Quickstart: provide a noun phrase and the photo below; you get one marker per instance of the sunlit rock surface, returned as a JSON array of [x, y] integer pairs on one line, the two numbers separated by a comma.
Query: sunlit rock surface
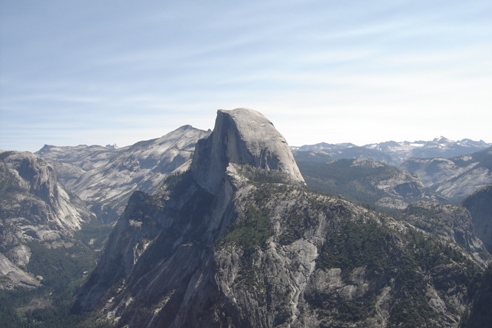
[[33, 208], [239, 241]]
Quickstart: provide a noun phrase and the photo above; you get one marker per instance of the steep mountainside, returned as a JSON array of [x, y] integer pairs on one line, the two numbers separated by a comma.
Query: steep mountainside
[[33, 208], [107, 176], [480, 206], [364, 181], [454, 178], [238, 240], [451, 222], [70, 163]]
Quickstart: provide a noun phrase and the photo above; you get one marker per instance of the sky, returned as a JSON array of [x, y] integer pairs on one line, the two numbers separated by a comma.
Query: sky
[[117, 72]]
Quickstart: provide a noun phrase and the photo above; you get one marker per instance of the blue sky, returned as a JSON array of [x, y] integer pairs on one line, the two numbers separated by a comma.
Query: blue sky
[[117, 72]]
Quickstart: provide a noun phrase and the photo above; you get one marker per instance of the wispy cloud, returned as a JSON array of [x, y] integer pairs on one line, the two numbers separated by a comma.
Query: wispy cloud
[[322, 71]]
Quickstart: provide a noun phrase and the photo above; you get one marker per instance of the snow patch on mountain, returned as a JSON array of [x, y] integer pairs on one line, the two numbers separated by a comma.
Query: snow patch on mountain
[[398, 151]]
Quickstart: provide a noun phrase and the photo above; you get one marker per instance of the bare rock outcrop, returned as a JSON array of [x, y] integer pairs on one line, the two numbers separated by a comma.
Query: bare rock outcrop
[[242, 136], [11, 276], [33, 208]]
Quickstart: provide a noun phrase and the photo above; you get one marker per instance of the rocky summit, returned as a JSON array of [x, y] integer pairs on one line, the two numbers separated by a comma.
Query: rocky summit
[[242, 136], [237, 240]]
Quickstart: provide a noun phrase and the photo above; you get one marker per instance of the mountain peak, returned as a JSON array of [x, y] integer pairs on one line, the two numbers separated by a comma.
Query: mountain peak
[[442, 140], [242, 136]]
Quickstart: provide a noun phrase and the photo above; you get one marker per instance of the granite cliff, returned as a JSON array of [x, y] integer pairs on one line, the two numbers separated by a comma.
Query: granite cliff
[[33, 208], [238, 240]]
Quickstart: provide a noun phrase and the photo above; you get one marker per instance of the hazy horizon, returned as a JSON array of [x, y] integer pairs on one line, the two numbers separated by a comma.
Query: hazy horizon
[[291, 145], [97, 72]]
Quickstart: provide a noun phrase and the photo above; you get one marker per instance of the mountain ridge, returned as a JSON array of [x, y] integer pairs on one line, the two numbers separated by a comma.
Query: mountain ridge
[[454, 178], [393, 152], [249, 246], [106, 182]]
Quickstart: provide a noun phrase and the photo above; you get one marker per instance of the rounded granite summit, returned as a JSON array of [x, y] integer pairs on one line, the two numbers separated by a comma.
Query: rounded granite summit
[[242, 136]]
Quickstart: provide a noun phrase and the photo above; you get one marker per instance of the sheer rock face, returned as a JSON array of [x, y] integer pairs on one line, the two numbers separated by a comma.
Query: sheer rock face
[[33, 207], [32, 194], [12, 276], [242, 136], [238, 241]]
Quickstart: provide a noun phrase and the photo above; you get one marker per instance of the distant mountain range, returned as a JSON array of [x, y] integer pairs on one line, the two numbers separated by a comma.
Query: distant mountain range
[[391, 152], [362, 174], [105, 177], [438, 147], [371, 182], [454, 178]]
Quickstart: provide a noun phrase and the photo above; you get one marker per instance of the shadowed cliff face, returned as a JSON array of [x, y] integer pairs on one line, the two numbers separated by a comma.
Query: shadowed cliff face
[[480, 206], [239, 241]]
